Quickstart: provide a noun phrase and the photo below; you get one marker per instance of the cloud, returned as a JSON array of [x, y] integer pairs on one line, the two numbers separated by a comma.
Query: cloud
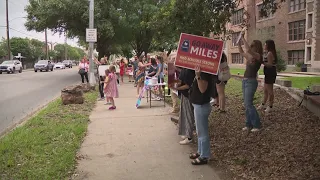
[[16, 24]]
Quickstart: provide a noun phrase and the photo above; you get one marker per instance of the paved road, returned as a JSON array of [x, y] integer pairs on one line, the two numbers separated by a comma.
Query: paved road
[[23, 93]]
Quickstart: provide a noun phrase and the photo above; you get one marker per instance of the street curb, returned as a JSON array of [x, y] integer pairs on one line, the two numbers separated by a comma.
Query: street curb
[[27, 117]]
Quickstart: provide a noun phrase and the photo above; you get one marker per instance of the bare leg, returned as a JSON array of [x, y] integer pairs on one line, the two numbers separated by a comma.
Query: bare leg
[[112, 102], [270, 94], [222, 97], [138, 89], [265, 93]]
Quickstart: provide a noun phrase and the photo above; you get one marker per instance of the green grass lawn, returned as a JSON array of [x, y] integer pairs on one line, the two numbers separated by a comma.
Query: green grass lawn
[[45, 147], [235, 71], [303, 82]]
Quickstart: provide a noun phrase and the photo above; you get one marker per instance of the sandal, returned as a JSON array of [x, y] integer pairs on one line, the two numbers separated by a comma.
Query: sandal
[[199, 161], [194, 155]]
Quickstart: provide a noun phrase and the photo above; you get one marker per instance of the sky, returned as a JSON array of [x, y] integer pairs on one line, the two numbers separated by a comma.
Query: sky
[[16, 22]]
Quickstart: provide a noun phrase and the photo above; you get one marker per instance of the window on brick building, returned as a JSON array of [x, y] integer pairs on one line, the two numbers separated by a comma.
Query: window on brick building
[[295, 56], [296, 5], [236, 58], [297, 30], [261, 16], [309, 53], [235, 38], [237, 17]]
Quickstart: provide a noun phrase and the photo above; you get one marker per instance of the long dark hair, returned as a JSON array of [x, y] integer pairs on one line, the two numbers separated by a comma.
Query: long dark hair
[[223, 57], [153, 61], [161, 62], [271, 47]]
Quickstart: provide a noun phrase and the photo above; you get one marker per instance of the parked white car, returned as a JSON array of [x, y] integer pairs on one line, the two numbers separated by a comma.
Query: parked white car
[[59, 65], [11, 66]]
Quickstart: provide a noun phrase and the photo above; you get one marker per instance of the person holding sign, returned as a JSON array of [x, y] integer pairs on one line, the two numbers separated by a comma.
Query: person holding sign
[[254, 59], [200, 98]]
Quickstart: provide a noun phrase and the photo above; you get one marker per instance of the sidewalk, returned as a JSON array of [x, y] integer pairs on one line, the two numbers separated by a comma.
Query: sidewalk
[[136, 144]]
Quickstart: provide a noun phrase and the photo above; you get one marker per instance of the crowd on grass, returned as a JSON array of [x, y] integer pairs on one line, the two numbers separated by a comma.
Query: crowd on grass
[[198, 92]]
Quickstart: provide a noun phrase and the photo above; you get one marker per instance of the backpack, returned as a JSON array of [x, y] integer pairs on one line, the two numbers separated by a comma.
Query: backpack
[[224, 71]]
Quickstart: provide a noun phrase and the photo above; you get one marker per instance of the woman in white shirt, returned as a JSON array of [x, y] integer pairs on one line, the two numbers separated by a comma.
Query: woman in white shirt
[[83, 69]]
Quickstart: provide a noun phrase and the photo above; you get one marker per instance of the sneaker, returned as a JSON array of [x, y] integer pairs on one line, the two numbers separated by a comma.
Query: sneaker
[[185, 141], [255, 130], [261, 107], [183, 137], [212, 102], [101, 99], [112, 108], [269, 109], [245, 129], [107, 103]]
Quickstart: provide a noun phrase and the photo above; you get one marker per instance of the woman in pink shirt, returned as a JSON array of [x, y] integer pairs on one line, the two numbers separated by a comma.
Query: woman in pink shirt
[[83, 69]]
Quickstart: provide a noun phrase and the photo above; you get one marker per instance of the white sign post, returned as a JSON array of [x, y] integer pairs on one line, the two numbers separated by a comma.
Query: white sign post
[[91, 35]]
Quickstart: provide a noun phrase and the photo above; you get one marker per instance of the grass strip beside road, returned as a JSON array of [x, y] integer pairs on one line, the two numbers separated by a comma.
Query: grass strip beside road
[[304, 82], [45, 146]]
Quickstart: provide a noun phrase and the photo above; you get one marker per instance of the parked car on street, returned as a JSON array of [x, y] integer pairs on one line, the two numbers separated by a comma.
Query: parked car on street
[[11, 66], [43, 65], [59, 65], [67, 63]]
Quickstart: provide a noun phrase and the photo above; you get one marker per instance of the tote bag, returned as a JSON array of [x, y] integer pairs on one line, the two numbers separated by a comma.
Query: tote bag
[[224, 72]]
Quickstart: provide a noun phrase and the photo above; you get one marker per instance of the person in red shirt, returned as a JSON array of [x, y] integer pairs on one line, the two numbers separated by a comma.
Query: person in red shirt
[[122, 69]]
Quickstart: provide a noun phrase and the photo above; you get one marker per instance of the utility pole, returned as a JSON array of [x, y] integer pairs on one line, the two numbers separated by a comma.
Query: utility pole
[[8, 33], [46, 39], [92, 78]]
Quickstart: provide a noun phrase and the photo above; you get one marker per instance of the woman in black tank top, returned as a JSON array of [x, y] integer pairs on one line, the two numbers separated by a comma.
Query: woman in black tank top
[[270, 73], [253, 56]]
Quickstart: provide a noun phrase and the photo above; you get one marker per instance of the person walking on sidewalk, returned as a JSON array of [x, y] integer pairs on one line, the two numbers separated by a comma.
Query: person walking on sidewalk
[[200, 99], [83, 69], [122, 67], [186, 116], [111, 88], [253, 55]]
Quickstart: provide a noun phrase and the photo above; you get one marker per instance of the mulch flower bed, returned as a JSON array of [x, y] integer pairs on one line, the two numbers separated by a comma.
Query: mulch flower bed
[[287, 147]]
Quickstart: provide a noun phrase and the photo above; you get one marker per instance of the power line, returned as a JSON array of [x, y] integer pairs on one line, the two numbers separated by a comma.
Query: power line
[[14, 3], [27, 34]]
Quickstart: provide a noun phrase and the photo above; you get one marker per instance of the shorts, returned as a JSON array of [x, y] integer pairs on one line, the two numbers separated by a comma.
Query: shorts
[[224, 82], [270, 74], [162, 81]]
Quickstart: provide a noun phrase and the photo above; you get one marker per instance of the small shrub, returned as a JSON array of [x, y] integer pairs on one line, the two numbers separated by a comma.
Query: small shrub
[[298, 66], [281, 64]]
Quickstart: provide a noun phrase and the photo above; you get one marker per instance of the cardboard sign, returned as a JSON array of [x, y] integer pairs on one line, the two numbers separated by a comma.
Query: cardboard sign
[[199, 51], [102, 69]]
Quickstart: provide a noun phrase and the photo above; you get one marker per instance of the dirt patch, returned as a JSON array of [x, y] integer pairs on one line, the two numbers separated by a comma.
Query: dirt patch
[[288, 147]]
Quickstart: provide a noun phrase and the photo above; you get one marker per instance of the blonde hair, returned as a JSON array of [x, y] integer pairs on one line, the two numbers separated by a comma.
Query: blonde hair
[[112, 68]]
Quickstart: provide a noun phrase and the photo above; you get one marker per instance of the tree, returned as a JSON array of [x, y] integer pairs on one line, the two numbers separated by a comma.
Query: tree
[[3, 48], [21, 45], [60, 51], [72, 17], [36, 48]]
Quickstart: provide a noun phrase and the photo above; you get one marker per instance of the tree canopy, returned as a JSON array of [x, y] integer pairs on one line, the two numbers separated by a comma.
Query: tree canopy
[[139, 25]]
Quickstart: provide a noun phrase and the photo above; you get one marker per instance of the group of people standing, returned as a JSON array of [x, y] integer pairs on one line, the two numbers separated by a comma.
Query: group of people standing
[[195, 90]]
